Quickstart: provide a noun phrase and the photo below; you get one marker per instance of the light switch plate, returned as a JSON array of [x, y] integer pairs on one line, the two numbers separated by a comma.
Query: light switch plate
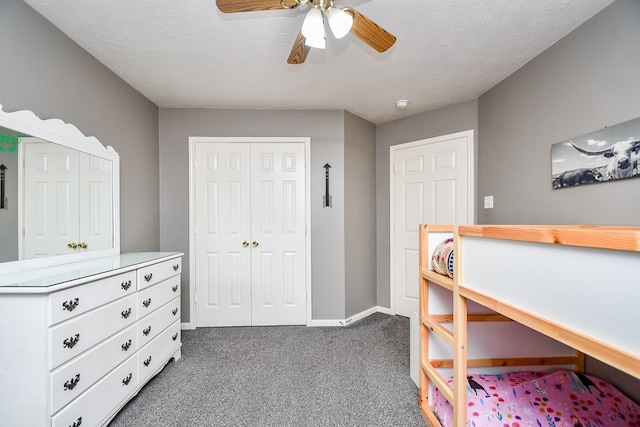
[[488, 202]]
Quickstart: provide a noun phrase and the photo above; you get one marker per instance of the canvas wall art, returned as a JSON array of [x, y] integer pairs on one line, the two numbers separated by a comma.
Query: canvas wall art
[[605, 155]]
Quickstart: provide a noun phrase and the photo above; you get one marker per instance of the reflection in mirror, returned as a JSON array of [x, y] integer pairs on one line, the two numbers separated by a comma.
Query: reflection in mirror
[[67, 200], [9, 195], [63, 205], [59, 194]]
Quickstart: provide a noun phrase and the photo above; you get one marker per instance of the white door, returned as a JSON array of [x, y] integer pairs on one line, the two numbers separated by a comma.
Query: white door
[[278, 233], [431, 184], [51, 199], [222, 234], [95, 188], [250, 237]]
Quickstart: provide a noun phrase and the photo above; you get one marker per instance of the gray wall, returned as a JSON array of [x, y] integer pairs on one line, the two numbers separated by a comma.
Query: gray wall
[[360, 220], [326, 129], [47, 73], [588, 80], [455, 118]]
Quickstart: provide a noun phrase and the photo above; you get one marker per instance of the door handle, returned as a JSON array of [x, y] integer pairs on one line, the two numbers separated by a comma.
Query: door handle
[[245, 243], [255, 244]]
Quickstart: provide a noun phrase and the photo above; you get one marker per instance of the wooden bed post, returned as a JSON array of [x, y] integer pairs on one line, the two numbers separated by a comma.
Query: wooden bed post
[[423, 390], [460, 338]]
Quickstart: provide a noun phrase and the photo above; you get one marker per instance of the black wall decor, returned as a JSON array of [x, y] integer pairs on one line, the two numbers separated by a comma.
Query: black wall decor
[[326, 202], [3, 204]]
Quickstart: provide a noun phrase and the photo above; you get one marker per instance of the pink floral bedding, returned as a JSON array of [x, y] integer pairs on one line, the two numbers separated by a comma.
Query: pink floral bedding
[[523, 399]]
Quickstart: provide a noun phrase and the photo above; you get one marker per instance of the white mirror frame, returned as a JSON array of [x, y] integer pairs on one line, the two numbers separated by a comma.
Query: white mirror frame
[[65, 134]]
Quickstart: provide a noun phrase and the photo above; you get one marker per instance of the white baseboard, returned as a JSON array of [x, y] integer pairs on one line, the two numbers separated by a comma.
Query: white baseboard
[[354, 318], [327, 322]]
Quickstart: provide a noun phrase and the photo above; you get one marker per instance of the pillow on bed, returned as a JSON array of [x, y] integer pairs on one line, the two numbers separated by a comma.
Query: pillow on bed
[[559, 399]]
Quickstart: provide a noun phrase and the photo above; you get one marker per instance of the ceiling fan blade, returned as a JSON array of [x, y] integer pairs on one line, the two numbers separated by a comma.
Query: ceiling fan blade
[[232, 6], [299, 51], [370, 32]]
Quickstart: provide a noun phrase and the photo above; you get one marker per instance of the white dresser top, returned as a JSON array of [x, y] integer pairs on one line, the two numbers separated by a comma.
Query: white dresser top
[[48, 279]]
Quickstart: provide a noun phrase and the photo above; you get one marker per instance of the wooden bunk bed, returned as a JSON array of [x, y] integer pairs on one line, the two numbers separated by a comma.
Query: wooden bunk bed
[[534, 297]]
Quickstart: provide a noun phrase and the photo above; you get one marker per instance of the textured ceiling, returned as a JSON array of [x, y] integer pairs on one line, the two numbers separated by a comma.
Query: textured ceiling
[[186, 53]]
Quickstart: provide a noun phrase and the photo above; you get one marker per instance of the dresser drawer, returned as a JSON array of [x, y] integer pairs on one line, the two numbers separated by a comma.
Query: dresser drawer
[[157, 295], [94, 405], [156, 322], [71, 379], [69, 339], [153, 356], [71, 302], [156, 273]]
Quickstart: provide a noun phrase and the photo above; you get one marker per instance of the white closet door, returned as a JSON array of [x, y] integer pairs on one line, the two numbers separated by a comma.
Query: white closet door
[[223, 263], [250, 234], [278, 230], [51, 199]]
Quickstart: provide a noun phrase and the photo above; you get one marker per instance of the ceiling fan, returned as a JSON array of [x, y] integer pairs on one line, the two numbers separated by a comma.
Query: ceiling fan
[[312, 34]]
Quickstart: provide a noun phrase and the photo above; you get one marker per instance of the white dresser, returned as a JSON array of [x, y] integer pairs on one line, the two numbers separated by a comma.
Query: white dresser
[[79, 340]]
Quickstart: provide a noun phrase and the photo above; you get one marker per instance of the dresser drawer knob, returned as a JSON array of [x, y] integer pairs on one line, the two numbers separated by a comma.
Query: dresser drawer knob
[[147, 362], [78, 423], [176, 267], [71, 342], [126, 285], [72, 383], [146, 303], [175, 336], [127, 379], [125, 346], [126, 313], [71, 304], [174, 288], [148, 277], [146, 331], [174, 311]]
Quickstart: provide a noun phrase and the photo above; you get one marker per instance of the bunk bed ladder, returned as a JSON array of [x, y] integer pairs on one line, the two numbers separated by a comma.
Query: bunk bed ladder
[[457, 340]]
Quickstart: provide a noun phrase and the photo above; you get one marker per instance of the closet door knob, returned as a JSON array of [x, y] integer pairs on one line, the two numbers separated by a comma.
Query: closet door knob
[[255, 244], [245, 243]]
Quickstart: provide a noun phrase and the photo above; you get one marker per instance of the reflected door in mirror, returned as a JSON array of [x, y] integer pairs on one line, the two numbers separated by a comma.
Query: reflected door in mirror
[[67, 201], [95, 203]]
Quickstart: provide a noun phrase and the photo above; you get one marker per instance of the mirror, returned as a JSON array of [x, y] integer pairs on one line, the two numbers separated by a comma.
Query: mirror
[[59, 194]]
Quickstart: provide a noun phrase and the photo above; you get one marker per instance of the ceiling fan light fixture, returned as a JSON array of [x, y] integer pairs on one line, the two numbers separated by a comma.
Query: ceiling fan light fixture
[[313, 25], [340, 22], [318, 42]]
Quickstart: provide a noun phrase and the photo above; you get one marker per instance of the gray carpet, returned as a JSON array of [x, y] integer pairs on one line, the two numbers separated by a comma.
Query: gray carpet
[[356, 375]]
